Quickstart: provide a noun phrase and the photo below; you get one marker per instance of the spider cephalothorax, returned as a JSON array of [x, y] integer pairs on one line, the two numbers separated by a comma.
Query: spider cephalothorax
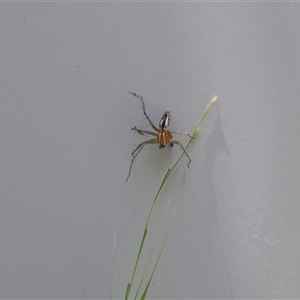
[[163, 136], [165, 120]]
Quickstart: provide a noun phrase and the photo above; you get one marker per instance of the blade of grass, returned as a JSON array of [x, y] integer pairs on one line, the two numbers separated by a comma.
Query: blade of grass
[[168, 173], [155, 244], [195, 133], [164, 242], [136, 263]]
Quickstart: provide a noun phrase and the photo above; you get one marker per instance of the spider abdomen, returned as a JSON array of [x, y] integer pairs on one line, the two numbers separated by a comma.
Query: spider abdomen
[[164, 138]]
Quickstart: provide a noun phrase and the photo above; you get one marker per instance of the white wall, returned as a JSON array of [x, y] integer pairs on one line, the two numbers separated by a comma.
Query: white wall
[[65, 145]]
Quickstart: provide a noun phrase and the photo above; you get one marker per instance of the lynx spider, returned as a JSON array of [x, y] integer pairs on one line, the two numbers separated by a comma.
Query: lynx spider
[[163, 136]]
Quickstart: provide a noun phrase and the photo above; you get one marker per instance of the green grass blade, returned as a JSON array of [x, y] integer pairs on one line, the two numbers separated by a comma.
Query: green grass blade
[[168, 173], [136, 263], [163, 244]]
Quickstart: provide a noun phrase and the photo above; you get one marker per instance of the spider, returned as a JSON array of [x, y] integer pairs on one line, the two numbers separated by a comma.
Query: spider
[[163, 136]]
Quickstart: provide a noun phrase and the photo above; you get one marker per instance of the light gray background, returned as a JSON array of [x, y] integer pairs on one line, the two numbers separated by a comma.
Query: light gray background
[[65, 145]]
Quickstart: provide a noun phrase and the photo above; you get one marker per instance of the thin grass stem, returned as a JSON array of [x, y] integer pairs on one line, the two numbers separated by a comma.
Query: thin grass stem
[[168, 173]]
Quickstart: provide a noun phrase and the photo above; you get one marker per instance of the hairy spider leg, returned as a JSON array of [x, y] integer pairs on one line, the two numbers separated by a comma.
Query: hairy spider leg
[[137, 150], [179, 144], [141, 145], [143, 132], [144, 110], [182, 132]]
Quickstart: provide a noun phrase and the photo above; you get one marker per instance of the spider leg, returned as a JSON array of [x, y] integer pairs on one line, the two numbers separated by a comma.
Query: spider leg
[[143, 132], [179, 144], [137, 150], [182, 132], [141, 145], [144, 110]]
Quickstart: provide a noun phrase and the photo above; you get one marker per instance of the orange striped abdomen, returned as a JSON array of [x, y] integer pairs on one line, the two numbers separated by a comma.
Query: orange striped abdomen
[[164, 138]]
